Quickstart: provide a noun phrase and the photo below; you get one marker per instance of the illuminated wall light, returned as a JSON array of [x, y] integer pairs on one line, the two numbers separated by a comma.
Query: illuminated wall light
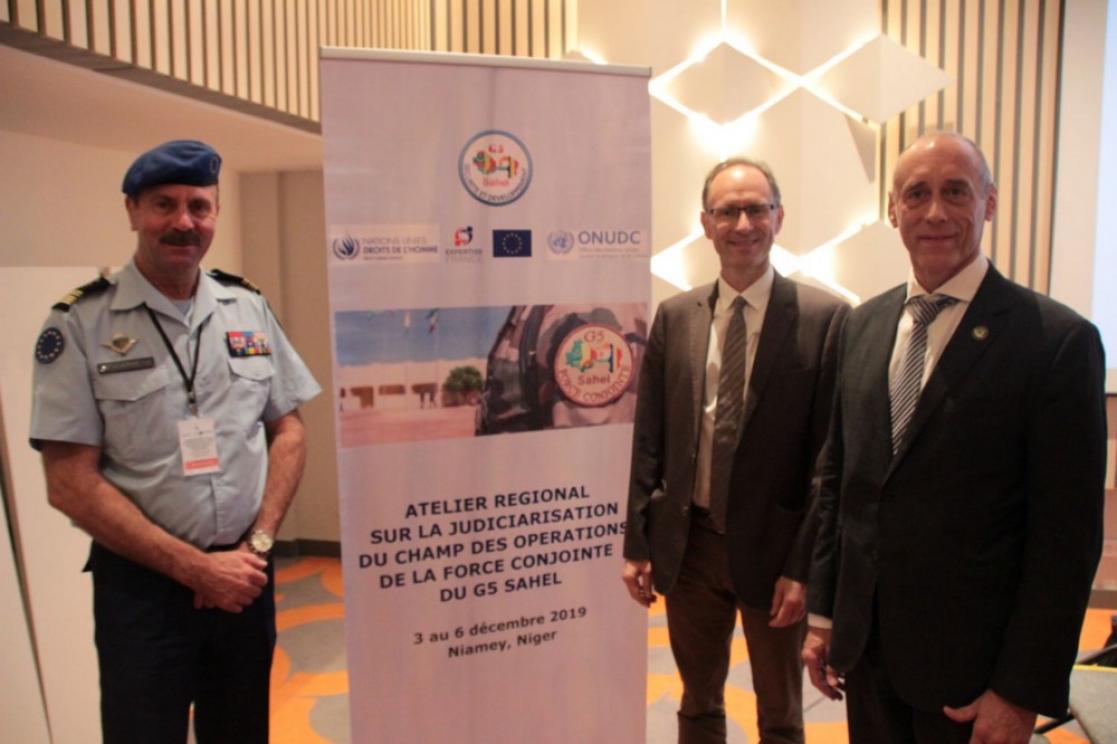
[[722, 140], [829, 282], [815, 74], [591, 54], [670, 265], [702, 50], [733, 137], [819, 261], [786, 262], [811, 81], [707, 134]]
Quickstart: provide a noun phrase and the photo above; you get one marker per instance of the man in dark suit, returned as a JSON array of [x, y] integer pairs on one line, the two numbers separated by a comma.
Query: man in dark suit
[[960, 491], [732, 409]]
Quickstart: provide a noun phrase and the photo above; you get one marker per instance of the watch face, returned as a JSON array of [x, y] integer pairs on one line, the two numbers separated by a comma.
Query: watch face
[[261, 541]]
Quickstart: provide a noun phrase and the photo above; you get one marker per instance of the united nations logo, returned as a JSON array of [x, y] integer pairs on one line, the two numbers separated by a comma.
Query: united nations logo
[[561, 242], [346, 248], [495, 167], [593, 366]]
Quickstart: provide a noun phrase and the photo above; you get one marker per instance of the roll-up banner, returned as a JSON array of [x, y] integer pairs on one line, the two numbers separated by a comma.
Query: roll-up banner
[[488, 248]]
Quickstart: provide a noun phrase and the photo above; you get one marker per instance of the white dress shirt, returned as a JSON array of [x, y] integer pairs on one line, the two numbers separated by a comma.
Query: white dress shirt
[[962, 287], [756, 297]]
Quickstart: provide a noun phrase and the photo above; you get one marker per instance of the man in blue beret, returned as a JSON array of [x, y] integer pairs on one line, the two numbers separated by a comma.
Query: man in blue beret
[[166, 409]]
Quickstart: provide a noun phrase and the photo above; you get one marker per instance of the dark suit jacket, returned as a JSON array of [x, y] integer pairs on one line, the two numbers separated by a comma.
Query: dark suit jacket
[[980, 538], [784, 426]]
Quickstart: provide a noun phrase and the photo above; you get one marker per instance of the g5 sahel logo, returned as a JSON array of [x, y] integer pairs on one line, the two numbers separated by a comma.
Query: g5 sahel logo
[[495, 167], [593, 366]]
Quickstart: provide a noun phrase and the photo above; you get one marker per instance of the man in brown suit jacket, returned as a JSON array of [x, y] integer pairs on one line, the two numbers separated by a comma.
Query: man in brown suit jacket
[[732, 410]]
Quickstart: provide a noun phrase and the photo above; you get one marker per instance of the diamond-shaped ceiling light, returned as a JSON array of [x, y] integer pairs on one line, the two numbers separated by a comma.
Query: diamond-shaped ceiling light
[[825, 163], [800, 35], [881, 79], [725, 85], [871, 261]]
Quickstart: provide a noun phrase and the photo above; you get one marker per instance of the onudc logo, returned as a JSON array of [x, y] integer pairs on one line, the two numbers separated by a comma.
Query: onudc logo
[[511, 243], [593, 365], [561, 242], [346, 248], [495, 167]]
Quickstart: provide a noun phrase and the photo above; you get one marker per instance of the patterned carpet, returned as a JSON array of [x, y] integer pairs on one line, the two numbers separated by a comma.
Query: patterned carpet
[[309, 681]]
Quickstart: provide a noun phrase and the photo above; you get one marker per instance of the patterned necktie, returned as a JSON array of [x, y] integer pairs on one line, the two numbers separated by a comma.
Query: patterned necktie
[[908, 382], [730, 407]]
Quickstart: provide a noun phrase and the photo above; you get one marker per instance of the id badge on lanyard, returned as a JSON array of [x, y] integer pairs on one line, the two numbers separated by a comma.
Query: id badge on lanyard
[[197, 436]]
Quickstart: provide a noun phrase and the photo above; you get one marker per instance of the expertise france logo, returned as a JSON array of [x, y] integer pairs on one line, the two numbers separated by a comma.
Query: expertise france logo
[[495, 167]]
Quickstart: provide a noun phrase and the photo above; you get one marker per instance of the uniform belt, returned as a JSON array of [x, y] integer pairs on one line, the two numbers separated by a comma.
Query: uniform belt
[[229, 546]]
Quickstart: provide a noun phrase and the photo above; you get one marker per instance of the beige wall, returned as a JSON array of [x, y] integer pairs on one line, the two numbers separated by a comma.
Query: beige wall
[[284, 233], [61, 205]]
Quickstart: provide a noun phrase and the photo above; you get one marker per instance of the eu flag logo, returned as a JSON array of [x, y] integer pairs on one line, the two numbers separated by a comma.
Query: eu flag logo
[[511, 243]]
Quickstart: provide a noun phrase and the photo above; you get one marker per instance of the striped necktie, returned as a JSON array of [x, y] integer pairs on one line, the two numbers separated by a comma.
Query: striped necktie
[[908, 382], [729, 410]]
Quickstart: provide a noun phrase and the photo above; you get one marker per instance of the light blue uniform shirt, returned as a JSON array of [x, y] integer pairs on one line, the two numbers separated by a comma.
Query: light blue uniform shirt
[[133, 415]]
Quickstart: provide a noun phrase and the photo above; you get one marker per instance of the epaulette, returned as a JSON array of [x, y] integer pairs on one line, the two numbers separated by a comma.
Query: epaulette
[[95, 287], [239, 281]]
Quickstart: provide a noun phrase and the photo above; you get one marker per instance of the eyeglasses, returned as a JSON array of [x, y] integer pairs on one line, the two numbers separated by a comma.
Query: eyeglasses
[[732, 213]]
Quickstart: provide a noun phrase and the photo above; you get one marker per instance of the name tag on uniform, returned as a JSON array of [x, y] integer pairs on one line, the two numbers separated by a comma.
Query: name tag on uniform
[[247, 343], [197, 441], [125, 365]]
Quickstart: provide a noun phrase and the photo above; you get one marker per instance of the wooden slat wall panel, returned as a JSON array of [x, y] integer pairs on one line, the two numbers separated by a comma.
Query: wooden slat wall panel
[[266, 51], [1004, 58]]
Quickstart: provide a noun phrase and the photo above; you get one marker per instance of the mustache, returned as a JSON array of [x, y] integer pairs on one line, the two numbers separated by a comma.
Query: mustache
[[178, 237]]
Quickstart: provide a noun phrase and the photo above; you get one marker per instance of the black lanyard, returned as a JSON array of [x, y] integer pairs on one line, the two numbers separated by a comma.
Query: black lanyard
[[187, 381]]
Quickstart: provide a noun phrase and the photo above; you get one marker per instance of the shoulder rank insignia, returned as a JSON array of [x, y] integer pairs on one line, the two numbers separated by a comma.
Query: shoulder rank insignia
[[238, 281], [95, 287]]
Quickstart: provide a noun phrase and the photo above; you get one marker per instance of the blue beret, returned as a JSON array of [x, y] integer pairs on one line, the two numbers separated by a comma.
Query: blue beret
[[187, 162]]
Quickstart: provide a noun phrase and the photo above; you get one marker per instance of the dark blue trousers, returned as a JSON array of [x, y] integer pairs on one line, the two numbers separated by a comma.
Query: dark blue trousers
[[158, 655]]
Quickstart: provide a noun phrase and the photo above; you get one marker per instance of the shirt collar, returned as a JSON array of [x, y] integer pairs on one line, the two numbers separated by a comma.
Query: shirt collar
[[133, 290], [962, 286], [756, 294]]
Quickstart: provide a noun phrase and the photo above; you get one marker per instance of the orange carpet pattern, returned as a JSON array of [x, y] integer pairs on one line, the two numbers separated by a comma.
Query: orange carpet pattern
[[310, 683]]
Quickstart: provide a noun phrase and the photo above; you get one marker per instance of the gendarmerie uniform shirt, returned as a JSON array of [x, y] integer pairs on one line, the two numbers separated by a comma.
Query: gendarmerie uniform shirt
[[105, 377]]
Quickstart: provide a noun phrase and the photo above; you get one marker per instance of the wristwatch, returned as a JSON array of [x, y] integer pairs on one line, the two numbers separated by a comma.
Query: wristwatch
[[261, 543]]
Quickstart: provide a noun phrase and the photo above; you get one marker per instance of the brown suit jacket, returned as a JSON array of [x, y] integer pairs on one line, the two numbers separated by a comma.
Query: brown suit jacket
[[786, 416]]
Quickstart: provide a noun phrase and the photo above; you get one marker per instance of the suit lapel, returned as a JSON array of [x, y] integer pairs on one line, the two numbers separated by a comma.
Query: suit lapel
[[872, 354], [698, 335], [779, 318], [981, 326]]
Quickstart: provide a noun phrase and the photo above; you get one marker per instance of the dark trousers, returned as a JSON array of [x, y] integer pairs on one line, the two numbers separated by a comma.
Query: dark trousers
[[702, 610], [877, 715], [157, 655]]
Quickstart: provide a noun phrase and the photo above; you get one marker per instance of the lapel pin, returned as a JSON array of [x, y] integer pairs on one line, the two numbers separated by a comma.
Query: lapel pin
[[120, 343], [980, 333]]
